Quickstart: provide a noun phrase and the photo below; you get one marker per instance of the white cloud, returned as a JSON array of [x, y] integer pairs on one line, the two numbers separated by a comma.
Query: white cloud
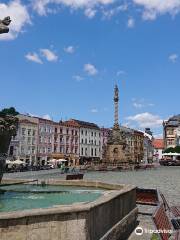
[[78, 78], [120, 72], [138, 105], [94, 110], [41, 6], [130, 22], [19, 16], [158, 136], [69, 49], [47, 117], [146, 119], [109, 13], [90, 69], [141, 103], [90, 12], [153, 8], [49, 55], [173, 57], [33, 57]]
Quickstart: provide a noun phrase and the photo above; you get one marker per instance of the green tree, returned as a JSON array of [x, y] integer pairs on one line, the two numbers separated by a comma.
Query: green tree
[[169, 150], [8, 111], [177, 149]]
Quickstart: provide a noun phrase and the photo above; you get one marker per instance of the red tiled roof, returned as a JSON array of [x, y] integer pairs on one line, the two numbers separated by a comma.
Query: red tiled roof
[[158, 143]]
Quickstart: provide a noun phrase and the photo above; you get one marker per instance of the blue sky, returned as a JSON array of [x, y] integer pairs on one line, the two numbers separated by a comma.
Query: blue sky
[[63, 59]]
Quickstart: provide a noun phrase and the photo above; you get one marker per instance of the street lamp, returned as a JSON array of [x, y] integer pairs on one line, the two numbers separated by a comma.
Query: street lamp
[[4, 25]]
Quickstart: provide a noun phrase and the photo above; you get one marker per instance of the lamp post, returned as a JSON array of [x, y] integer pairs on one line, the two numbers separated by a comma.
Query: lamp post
[[4, 25]]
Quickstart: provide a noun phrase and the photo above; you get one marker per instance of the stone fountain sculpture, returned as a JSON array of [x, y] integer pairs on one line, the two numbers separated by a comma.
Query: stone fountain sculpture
[[4, 25], [8, 128]]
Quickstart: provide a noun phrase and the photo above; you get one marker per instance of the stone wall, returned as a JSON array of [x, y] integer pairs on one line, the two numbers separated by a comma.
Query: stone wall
[[112, 216]]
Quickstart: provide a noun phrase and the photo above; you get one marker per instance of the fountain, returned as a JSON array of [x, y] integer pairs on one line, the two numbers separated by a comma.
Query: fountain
[[73, 209]]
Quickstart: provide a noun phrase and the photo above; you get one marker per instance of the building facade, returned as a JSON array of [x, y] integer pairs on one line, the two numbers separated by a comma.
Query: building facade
[[158, 145], [171, 132], [23, 146], [66, 141], [138, 146], [105, 132], [89, 141], [45, 143], [148, 148]]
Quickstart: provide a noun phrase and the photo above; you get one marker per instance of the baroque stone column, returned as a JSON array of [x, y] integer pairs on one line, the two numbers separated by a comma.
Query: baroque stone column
[[116, 106]]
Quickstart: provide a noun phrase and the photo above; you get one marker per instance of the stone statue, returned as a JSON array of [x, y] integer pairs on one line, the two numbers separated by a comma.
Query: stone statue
[[8, 128], [4, 25]]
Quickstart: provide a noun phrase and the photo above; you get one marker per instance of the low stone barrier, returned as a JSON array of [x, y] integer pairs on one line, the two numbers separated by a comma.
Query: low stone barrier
[[112, 216]]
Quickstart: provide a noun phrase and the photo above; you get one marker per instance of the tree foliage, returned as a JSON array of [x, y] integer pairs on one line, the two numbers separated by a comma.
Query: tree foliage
[[8, 111], [172, 150]]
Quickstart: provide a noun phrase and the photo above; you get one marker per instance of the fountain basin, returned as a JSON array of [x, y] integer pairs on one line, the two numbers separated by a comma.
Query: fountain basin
[[112, 215]]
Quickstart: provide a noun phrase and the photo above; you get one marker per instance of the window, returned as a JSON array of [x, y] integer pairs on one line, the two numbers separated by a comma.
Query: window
[[67, 131], [86, 141], [67, 149], [61, 131], [95, 142], [92, 134], [55, 130], [82, 151], [76, 150], [33, 150], [82, 140], [72, 132], [33, 141], [95, 134], [49, 149], [86, 133], [29, 132], [91, 151], [29, 140], [95, 153], [76, 133], [61, 139], [61, 149], [82, 132], [86, 151], [34, 132], [55, 149], [29, 150], [23, 131]]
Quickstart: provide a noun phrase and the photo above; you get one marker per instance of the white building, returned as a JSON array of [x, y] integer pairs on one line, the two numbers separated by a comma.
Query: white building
[[89, 141], [24, 145]]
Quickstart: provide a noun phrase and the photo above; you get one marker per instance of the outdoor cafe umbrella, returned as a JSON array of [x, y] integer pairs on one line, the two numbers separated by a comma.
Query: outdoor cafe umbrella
[[18, 162], [171, 154], [9, 162], [61, 160]]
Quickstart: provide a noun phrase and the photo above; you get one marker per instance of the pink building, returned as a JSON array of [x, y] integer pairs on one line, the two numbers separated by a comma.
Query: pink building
[[104, 136]]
